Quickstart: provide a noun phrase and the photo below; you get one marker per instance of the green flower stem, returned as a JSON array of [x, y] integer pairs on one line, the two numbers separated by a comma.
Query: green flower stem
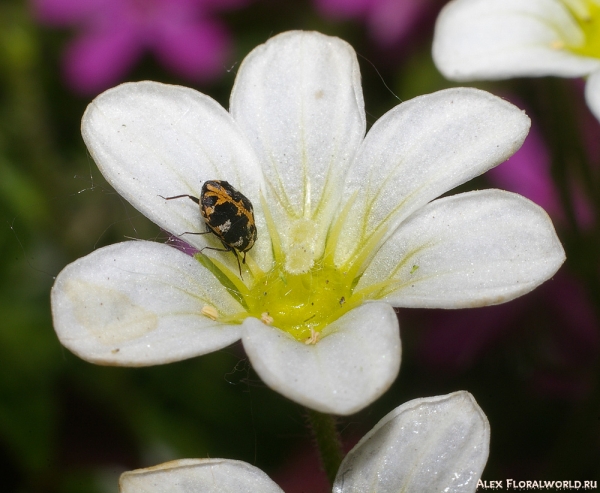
[[327, 440]]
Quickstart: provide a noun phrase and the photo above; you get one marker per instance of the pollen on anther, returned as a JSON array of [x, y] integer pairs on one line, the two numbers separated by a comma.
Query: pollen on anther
[[314, 337], [210, 312]]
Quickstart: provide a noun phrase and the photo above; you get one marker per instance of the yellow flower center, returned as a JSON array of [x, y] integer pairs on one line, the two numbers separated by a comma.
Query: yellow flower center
[[300, 301], [587, 15]]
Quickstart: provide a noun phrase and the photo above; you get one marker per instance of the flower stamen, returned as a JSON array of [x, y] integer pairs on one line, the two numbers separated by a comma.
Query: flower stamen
[[210, 312], [314, 337]]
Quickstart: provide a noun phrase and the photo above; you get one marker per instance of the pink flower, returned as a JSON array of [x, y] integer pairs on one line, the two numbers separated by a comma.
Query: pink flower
[[389, 21], [114, 34]]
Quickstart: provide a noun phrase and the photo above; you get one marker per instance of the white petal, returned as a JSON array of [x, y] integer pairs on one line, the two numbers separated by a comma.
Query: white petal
[[432, 444], [151, 140], [472, 249], [421, 149], [195, 475], [498, 39], [139, 303], [343, 372], [299, 99], [592, 93]]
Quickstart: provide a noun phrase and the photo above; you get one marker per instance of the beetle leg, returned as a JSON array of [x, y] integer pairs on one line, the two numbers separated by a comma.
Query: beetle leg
[[208, 230], [226, 249]]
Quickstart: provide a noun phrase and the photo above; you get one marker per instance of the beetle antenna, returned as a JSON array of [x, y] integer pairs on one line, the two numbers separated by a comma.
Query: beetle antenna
[[195, 199]]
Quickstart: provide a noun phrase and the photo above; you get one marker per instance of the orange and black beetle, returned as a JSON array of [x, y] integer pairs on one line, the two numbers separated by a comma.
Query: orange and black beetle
[[229, 215]]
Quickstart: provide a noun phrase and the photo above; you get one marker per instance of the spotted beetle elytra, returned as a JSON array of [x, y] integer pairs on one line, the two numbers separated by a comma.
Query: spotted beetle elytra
[[228, 214]]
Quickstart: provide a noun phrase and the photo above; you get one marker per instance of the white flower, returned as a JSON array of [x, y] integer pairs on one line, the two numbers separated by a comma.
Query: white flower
[[499, 39], [346, 229], [432, 444]]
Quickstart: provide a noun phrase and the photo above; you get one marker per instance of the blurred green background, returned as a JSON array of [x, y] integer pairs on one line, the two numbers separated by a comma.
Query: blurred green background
[[69, 426]]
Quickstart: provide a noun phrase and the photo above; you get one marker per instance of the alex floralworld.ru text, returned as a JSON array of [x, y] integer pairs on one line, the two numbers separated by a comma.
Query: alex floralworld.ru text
[[511, 484]]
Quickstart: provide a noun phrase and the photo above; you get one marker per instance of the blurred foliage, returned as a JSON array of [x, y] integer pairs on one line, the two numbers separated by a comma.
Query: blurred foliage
[[69, 426]]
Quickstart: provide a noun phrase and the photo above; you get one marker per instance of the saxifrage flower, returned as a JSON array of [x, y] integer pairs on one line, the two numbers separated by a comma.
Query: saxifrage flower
[[431, 444], [347, 228], [500, 39]]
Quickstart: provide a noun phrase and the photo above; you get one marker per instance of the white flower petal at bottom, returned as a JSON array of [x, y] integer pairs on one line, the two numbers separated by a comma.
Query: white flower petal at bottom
[[432, 444], [140, 303], [352, 365], [473, 249], [194, 475]]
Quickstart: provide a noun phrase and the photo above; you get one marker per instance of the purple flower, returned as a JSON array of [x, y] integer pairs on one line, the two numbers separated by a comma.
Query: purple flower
[[114, 34], [389, 21]]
